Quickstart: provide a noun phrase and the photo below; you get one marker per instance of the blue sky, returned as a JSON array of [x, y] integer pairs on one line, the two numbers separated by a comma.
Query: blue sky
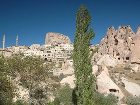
[[32, 19]]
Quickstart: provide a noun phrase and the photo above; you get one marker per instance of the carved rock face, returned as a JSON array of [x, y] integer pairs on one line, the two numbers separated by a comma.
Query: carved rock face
[[136, 48], [122, 44]]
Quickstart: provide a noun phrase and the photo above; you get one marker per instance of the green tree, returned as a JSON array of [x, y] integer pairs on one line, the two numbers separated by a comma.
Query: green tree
[[85, 81], [64, 96]]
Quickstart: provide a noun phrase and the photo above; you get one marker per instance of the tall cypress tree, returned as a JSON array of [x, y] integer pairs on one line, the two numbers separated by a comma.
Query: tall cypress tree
[[85, 81]]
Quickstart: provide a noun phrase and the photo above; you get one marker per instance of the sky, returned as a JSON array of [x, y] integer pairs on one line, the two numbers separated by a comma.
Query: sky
[[32, 19]]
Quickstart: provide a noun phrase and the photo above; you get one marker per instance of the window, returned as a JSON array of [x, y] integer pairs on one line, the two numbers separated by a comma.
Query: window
[[127, 58], [133, 44], [117, 54], [116, 42], [113, 90], [48, 51]]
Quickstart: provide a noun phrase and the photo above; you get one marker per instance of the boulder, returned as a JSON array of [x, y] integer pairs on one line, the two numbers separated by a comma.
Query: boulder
[[107, 60], [135, 67], [94, 69], [107, 86], [68, 80], [131, 87]]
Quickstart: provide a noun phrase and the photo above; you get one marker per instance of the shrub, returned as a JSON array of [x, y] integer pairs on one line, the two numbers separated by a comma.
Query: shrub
[[20, 102], [64, 96], [101, 99], [6, 91], [133, 100]]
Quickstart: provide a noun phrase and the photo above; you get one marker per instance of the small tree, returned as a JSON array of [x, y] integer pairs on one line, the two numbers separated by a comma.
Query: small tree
[[85, 81]]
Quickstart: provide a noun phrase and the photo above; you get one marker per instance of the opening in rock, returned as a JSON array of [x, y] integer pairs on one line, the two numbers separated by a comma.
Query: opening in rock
[[116, 42], [117, 54], [113, 90], [107, 37], [127, 58], [133, 44]]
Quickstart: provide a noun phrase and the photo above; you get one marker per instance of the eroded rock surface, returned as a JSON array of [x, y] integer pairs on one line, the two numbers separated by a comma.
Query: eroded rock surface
[[122, 44]]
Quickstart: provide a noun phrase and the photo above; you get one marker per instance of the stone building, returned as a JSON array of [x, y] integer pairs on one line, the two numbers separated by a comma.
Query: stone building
[[58, 52], [57, 48], [122, 44]]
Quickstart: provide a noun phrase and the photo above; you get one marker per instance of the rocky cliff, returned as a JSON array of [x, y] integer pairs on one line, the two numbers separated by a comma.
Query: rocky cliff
[[56, 38], [121, 44]]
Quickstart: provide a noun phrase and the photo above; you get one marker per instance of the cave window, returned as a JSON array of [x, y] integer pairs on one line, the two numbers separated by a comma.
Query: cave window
[[106, 42], [116, 42], [113, 90], [117, 54], [133, 44], [118, 58], [114, 36], [107, 37], [127, 58]]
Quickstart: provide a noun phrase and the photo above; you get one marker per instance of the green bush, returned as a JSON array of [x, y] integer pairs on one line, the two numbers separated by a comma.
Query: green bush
[[64, 96], [55, 102], [101, 99], [133, 100], [6, 91], [32, 71], [20, 102]]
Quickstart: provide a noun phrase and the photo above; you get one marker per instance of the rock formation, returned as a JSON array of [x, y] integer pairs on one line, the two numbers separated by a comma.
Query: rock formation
[[122, 44], [56, 38]]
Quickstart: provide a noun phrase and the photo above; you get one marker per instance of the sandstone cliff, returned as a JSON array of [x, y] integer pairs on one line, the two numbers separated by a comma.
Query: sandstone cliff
[[56, 38], [122, 44]]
